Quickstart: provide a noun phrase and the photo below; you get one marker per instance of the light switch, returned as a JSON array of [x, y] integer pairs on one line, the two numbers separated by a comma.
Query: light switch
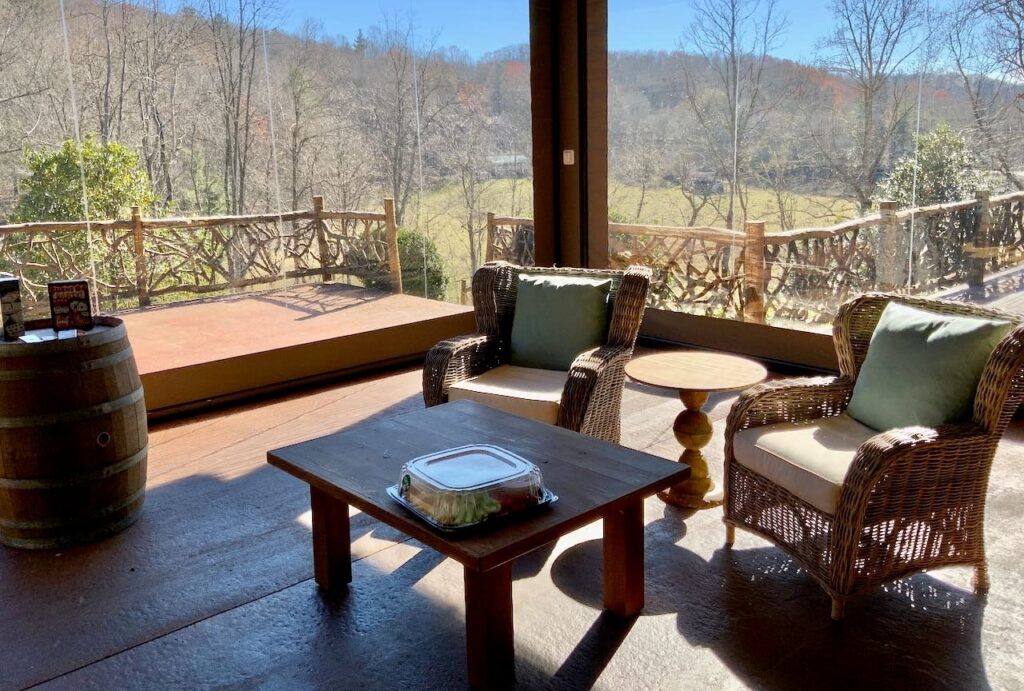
[[568, 157]]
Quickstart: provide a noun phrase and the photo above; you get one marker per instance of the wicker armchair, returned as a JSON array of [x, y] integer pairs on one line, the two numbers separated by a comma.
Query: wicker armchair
[[913, 498], [592, 396]]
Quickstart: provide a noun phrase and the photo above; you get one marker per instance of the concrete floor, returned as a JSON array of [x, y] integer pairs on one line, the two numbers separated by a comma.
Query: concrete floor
[[213, 587]]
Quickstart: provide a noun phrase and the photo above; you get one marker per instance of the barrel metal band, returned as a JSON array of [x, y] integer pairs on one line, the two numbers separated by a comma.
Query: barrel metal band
[[73, 415], [84, 366], [77, 520], [69, 539], [77, 478]]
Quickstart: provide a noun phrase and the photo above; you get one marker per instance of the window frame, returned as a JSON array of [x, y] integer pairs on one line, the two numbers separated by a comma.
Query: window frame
[[569, 84]]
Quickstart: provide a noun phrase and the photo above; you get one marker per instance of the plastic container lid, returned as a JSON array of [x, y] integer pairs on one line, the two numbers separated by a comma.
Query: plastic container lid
[[469, 484], [470, 467]]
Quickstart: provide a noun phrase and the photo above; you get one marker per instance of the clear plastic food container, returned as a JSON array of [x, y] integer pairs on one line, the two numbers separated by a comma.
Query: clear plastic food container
[[464, 486]]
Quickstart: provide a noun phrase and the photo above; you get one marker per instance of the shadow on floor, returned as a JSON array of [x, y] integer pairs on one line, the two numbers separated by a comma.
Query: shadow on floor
[[213, 587], [768, 621], [202, 547]]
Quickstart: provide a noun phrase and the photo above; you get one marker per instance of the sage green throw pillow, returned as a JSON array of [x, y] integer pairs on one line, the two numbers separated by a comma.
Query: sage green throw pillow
[[557, 318], [922, 368]]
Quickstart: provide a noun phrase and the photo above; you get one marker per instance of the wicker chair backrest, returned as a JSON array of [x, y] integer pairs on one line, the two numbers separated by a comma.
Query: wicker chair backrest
[[1001, 389], [857, 319], [494, 298]]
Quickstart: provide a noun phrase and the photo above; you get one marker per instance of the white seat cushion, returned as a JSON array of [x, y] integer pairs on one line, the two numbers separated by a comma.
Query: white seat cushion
[[810, 459], [524, 391]]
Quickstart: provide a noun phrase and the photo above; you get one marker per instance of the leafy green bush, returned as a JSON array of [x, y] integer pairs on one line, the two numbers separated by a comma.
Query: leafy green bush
[[411, 247], [52, 191], [944, 169]]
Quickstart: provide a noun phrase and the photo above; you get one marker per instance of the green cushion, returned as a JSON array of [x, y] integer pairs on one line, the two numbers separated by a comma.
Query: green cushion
[[922, 368], [557, 318]]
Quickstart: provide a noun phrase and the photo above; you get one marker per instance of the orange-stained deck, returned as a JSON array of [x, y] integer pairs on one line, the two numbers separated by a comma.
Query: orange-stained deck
[[221, 348]]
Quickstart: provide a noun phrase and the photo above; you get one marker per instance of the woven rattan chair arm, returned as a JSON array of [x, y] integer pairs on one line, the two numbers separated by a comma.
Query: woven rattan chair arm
[[456, 359], [788, 400], [588, 371], [905, 469]]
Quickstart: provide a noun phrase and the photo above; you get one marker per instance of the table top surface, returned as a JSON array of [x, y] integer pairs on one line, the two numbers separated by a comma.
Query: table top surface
[[591, 477], [696, 370]]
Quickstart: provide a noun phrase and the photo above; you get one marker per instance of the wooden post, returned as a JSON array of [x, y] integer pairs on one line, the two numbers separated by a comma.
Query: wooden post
[[979, 249], [489, 251], [888, 261], [321, 238], [754, 274], [394, 259], [464, 292], [141, 289]]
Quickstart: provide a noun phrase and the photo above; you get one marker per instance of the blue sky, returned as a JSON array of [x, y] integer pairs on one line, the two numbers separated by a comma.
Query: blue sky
[[480, 26]]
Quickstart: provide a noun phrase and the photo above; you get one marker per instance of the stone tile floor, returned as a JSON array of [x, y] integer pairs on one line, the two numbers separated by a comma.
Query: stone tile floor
[[213, 587]]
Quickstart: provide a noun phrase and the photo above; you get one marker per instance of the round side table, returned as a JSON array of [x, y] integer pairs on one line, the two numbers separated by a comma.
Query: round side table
[[695, 375]]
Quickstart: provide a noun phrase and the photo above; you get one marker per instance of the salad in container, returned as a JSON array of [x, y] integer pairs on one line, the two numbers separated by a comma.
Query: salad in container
[[469, 485]]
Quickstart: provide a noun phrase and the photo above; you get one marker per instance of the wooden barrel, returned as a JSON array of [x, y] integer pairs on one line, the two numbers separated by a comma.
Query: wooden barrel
[[73, 437]]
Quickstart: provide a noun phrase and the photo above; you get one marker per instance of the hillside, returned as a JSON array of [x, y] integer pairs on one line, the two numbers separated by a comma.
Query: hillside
[[345, 118]]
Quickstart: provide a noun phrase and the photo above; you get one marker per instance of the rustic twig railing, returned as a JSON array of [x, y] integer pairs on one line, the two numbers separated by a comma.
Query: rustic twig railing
[[142, 260], [510, 238], [806, 273], [696, 266]]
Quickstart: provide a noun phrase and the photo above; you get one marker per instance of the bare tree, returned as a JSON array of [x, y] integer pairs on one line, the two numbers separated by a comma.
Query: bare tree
[[403, 97], [872, 41], [160, 57], [1007, 33], [313, 84], [111, 83], [234, 37], [981, 37], [734, 37], [467, 147]]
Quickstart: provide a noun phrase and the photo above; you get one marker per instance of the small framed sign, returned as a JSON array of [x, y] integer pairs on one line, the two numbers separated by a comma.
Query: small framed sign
[[69, 305], [10, 308]]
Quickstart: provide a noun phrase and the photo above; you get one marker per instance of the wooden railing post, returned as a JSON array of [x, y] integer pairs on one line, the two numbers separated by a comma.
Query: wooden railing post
[[754, 274], [489, 252], [888, 261], [139, 249], [394, 259], [321, 238], [979, 249]]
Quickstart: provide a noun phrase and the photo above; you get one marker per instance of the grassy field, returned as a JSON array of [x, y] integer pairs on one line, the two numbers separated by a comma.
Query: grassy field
[[667, 206], [442, 214]]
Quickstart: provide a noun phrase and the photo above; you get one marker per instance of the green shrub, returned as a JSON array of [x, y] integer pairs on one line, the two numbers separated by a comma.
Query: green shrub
[[53, 189], [944, 170], [411, 247]]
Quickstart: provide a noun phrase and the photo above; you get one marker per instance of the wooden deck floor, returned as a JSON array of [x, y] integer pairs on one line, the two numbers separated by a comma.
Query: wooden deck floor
[[233, 345], [213, 587]]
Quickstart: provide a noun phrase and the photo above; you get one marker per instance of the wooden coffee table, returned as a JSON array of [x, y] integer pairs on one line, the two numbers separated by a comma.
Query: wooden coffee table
[[695, 374], [593, 480]]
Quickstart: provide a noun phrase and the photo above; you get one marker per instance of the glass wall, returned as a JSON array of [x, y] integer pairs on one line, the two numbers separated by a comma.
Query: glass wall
[[366, 144], [772, 159]]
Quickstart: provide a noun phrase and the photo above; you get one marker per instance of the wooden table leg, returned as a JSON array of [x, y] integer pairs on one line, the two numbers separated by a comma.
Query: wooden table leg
[[624, 560], [332, 543], [692, 429], [490, 650]]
